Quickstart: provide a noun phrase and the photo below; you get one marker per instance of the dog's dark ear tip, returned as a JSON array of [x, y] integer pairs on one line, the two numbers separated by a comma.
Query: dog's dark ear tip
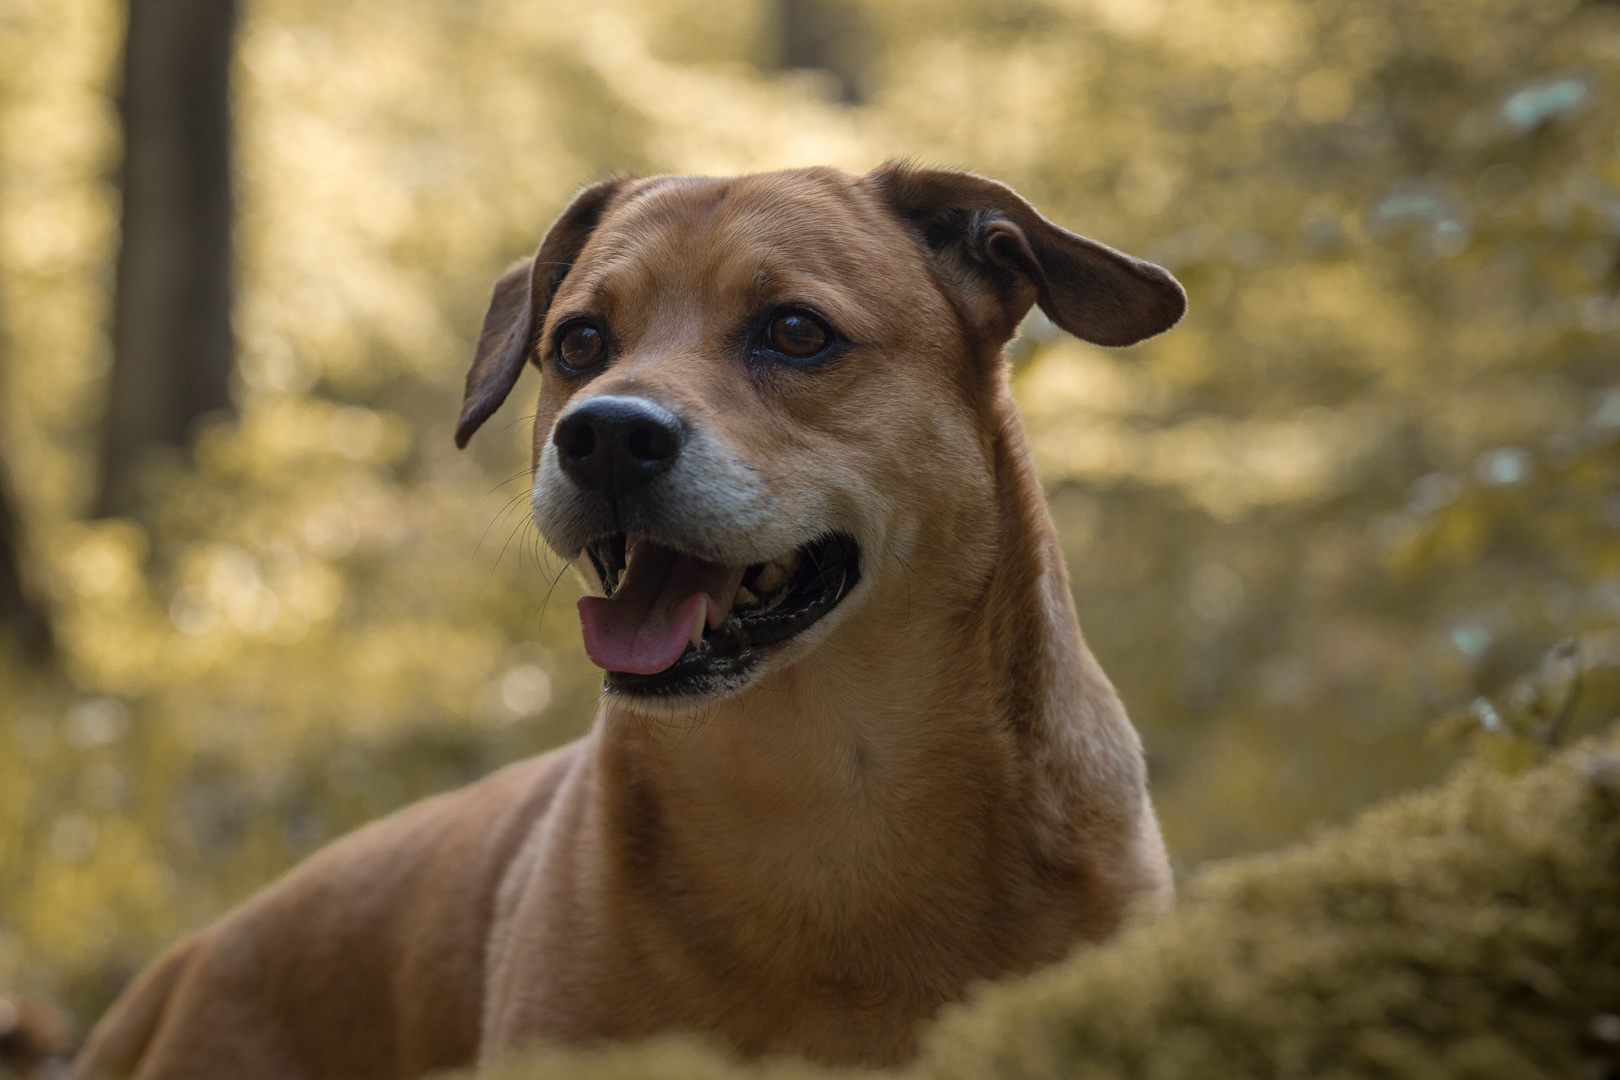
[[471, 420], [1174, 307], [1144, 302], [1164, 310]]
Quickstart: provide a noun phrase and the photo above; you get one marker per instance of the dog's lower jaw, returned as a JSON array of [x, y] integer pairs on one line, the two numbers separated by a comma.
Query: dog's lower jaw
[[817, 864]]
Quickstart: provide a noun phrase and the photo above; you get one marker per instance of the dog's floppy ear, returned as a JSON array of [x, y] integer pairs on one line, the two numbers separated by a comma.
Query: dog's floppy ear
[[1004, 256], [518, 304]]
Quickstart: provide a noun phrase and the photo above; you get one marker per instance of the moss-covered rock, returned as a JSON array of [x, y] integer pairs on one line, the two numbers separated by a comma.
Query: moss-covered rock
[[1468, 931]]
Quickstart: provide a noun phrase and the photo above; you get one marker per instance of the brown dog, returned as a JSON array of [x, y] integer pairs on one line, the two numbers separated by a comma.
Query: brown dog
[[775, 437]]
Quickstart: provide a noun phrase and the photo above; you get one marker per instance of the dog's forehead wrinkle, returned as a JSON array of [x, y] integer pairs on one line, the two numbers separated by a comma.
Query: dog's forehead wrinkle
[[679, 212], [667, 196], [804, 222]]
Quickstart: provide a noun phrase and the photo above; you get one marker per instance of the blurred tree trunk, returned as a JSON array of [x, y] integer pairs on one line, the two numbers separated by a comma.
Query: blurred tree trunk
[[172, 342], [22, 617], [829, 36]]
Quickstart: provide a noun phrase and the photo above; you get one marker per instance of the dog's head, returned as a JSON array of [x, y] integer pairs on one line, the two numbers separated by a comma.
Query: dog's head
[[763, 399]]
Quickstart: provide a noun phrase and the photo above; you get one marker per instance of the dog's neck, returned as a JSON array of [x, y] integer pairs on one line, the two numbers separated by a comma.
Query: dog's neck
[[897, 782]]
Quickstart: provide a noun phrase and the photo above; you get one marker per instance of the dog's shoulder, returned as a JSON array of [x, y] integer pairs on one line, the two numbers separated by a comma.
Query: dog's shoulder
[[365, 961], [474, 828]]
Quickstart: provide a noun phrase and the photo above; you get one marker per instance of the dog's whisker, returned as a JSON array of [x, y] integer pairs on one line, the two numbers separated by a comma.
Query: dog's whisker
[[502, 554], [546, 603], [515, 423], [541, 554], [522, 474], [499, 516]]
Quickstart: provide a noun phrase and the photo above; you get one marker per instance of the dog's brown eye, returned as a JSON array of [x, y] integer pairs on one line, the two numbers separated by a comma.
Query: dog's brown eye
[[796, 335], [581, 346]]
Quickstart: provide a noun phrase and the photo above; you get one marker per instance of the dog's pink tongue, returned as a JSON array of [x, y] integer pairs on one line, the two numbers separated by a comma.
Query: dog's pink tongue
[[645, 627]]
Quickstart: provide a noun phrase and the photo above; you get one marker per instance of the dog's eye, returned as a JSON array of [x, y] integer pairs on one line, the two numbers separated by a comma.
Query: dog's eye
[[796, 334], [580, 346]]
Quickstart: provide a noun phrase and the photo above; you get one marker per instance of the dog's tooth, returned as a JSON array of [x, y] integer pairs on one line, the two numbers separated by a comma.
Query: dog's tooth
[[745, 596], [790, 565], [697, 623], [769, 577]]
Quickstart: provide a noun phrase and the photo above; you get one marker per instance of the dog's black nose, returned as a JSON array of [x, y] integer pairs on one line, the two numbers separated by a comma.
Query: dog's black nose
[[613, 445]]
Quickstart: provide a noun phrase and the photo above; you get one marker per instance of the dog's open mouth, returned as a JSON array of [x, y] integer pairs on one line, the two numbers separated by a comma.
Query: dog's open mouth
[[673, 624]]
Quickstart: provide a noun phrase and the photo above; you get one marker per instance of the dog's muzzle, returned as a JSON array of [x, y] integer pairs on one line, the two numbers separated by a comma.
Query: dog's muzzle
[[702, 578]]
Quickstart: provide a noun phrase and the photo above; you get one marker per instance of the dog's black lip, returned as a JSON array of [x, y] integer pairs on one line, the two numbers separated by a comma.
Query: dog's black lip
[[722, 660]]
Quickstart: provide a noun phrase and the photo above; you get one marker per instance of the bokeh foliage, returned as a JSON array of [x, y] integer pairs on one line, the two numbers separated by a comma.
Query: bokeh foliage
[[1322, 535]]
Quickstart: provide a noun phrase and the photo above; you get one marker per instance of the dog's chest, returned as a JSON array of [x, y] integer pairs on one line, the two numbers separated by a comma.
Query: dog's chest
[[810, 913]]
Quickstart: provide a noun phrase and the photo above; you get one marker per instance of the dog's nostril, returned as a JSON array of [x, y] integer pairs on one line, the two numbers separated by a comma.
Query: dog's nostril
[[579, 441], [653, 442]]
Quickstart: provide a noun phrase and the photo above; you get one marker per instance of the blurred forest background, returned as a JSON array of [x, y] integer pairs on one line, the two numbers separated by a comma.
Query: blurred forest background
[[1357, 516]]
